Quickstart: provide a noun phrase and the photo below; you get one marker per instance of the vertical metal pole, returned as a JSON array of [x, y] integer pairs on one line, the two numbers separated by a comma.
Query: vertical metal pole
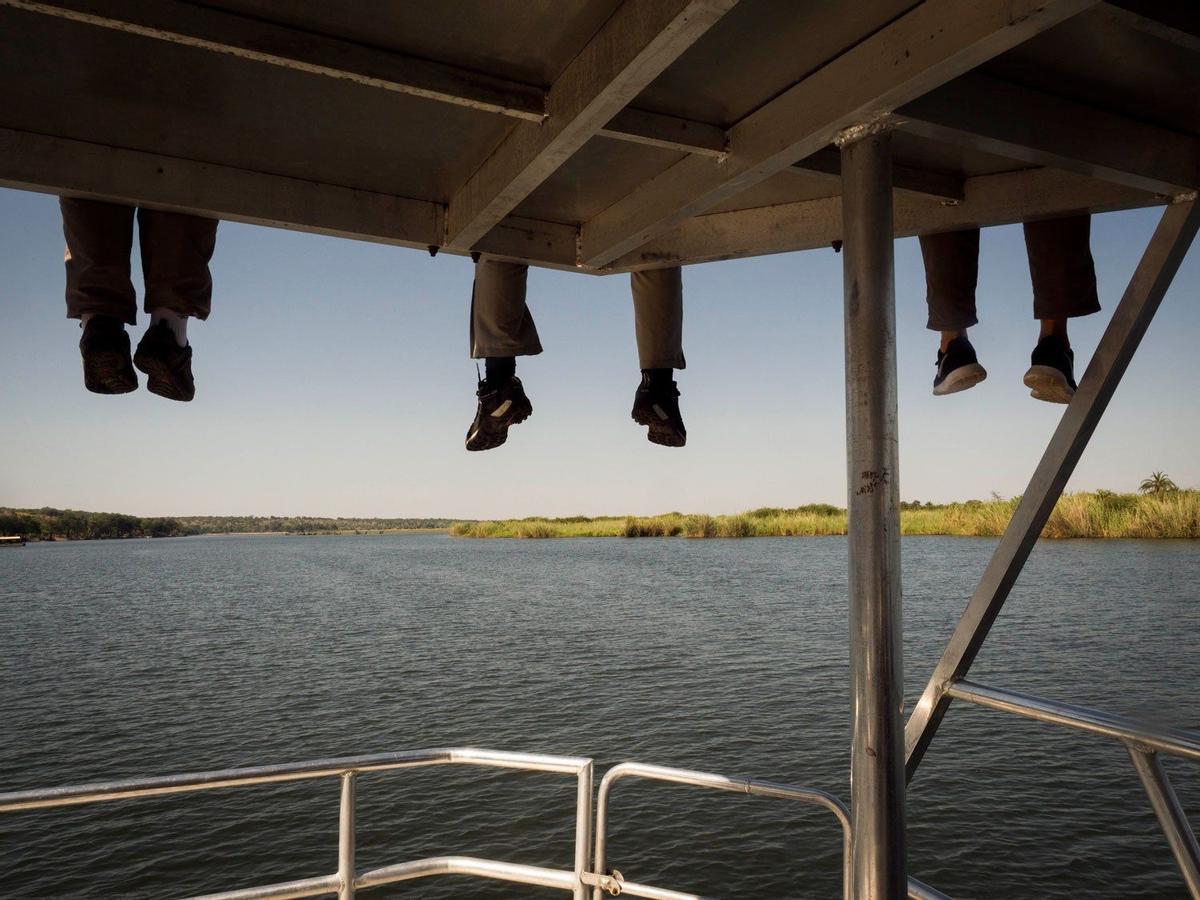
[[877, 684], [346, 839], [1171, 816], [583, 830]]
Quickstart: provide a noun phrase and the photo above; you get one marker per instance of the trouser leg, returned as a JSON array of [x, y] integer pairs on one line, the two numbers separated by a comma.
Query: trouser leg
[[658, 317], [501, 324], [951, 272], [176, 250], [1061, 267], [99, 238]]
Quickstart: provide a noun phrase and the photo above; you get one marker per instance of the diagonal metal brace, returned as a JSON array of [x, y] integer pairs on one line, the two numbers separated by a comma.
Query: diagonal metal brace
[[1132, 317], [1170, 815]]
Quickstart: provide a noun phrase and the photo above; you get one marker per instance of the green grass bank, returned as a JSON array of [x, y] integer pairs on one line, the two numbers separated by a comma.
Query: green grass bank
[[1102, 514]]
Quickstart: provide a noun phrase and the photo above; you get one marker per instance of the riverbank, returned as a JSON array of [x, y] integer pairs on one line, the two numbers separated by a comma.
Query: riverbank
[[50, 524], [1100, 514]]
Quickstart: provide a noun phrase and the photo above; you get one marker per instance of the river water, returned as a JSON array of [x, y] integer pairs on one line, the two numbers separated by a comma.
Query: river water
[[151, 657]]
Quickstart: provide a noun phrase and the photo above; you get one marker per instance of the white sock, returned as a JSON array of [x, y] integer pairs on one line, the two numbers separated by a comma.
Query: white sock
[[176, 322]]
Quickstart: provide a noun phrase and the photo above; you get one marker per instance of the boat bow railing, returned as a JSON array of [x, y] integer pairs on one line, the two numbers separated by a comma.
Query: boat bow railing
[[588, 873]]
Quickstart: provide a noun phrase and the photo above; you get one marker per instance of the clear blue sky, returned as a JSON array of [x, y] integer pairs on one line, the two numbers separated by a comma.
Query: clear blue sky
[[333, 379]]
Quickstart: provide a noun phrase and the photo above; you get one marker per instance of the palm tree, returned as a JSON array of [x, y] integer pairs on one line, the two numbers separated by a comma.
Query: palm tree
[[1157, 483]]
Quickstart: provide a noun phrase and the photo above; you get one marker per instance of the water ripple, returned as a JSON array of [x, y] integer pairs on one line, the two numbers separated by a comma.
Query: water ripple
[[149, 657]]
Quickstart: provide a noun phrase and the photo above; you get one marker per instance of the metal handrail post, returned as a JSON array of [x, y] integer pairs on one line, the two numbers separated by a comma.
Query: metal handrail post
[[1170, 815], [346, 839], [872, 454], [583, 831]]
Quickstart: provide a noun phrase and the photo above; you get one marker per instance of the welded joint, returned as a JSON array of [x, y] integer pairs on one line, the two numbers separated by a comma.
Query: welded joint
[[880, 125], [943, 689], [1144, 749]]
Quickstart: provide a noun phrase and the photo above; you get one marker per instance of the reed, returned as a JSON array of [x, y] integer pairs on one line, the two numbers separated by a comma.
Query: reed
[[1100, 514]]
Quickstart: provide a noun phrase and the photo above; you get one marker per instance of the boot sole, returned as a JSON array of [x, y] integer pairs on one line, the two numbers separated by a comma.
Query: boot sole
[[490, 440], [161, 380], [1048, 384], [109, 372], [661, 432], [665, 436], [961, 379]]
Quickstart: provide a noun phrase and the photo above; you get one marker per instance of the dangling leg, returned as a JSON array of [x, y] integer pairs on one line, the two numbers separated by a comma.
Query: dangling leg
[[99, 293], [501, 330], [658, 320], [1064, 287], [951, 271], [176, 250]]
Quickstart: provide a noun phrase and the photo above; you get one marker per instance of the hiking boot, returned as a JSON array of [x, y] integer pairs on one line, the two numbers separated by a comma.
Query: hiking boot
[[107, 368], [957, 368], [657, 406], [1050, 376], [499, 407], [168, 365]]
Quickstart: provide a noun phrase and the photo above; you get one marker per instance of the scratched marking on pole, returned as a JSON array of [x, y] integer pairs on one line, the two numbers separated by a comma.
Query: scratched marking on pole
[[874, 479]]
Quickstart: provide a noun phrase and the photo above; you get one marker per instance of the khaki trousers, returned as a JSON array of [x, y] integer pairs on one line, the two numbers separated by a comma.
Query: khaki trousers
[[1060, 265], [176, 250], [501, 324]]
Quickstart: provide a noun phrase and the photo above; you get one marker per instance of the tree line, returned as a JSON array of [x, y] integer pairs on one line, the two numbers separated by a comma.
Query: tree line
[[48, 523]]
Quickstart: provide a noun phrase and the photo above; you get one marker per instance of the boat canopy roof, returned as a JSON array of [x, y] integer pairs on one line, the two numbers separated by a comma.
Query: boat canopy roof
[[600, 135]]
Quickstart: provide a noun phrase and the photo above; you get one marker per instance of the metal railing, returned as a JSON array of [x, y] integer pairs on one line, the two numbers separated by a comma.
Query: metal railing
[[614, 883], [347, 880], [1144, 743]]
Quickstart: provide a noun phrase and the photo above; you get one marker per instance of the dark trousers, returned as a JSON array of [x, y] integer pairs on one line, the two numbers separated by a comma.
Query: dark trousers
[[1060, 264], [176, 250]]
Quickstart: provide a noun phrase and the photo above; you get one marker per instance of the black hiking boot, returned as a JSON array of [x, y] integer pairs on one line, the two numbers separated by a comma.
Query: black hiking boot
[[107, 368], [1051, 373], [656, 404], [499, 407], [957, 368], [168, 365]]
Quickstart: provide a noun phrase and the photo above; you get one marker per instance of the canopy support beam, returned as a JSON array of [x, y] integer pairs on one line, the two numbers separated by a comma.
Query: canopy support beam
[[984, 113], [53, 165], [631, 49], [933, 43], [1001, 199]]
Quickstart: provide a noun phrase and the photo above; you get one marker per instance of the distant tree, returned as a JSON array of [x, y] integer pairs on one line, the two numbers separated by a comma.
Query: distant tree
[[161, 527], [14, 523], [1157, 483]]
